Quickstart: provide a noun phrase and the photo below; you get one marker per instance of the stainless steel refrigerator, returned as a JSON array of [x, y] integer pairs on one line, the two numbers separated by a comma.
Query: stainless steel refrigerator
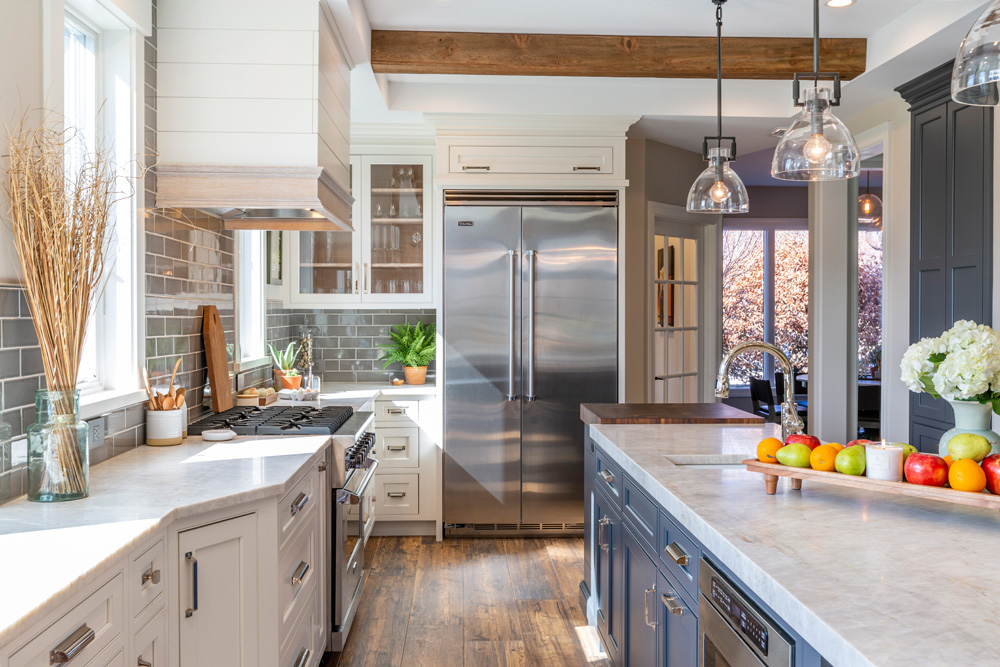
[[530, 329]]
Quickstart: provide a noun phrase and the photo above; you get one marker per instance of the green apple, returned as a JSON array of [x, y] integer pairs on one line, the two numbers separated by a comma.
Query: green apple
[[850, 461], [968, 446], [795, 455], [907, 449]]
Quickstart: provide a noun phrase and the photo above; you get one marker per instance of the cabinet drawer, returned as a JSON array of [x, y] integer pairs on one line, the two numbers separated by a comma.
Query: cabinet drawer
[[147, 576], [640, 512], [151, 641], [112, 656], [397, 447], [101, 613], [608, 477], [531, 160], [297, 506], [298, 572], [395, 411], [397, 494], [679, 554], [299, 648]]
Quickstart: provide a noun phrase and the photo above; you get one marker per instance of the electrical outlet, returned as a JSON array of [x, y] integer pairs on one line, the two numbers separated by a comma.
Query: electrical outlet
[[97, 431]]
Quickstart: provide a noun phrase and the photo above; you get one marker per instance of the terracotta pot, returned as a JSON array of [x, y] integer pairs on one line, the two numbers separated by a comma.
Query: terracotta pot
[[415, 374], [293, 382]]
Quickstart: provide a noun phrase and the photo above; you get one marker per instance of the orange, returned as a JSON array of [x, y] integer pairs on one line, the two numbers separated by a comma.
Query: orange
[[966, 475], [767, 449], [948, 460], [822, 458], [837, 445]]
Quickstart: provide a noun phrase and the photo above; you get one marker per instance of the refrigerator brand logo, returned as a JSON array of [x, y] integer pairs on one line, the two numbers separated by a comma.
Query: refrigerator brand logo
[[465, 223]]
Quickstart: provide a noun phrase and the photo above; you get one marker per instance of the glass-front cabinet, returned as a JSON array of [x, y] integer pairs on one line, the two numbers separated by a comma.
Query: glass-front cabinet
[[386, 259]]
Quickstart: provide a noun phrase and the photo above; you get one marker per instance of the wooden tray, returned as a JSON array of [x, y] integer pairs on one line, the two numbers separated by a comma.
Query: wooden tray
[[256, 400], [772, 471]]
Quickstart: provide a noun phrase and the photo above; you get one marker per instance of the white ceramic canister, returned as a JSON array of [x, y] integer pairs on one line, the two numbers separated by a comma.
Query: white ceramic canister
[[164, 427]]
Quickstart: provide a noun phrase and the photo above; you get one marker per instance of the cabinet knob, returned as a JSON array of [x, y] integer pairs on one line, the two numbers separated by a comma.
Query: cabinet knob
[[396, 494], [303, 658], [676, 554], [150, 576], [670, 602], [143, 663], [300, 573], [299, 502]]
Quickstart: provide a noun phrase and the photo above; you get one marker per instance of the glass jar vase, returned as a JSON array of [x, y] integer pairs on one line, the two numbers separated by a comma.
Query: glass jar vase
[[58, 449]]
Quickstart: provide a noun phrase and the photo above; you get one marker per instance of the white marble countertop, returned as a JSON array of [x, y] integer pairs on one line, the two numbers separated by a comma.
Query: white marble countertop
[[865, 578], [348, 389], [49, 552]]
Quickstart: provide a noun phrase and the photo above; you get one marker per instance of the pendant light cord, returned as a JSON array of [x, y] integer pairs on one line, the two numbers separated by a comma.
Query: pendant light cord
[[816, 42], [718, 68]]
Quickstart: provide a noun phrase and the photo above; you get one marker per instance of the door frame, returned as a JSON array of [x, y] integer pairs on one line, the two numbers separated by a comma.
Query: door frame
[[710, 308]]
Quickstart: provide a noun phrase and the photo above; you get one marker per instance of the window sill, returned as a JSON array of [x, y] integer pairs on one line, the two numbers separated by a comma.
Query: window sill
[[100, 402], [249, 364]]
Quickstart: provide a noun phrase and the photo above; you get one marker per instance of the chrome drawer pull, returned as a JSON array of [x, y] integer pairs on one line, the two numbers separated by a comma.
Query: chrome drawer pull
[[645, 605], [396, 494], [299, 502], [586, 168], [670, 602], [72, 645], [676, 554], [469, 167], [150, 576], [300, 573], [303, 658], [604, 521], [395, 411], [143, 663], [396, 448], [607, 477], [189, 557]]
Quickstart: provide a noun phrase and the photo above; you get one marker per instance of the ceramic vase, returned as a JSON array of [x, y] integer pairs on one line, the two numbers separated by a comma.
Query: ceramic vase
[[971, 417]]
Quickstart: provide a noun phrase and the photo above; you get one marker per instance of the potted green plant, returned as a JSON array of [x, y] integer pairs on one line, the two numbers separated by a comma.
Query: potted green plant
[[285, 372], [413, 346]]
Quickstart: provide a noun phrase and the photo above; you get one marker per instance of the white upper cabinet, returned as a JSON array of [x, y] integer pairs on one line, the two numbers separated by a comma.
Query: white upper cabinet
[[386, 261]]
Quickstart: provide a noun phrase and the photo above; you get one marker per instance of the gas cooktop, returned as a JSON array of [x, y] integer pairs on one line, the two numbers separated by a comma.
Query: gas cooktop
[[276, 420]]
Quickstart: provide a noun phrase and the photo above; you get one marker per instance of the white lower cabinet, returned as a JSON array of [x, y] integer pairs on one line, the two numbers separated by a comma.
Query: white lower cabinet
[[397, 495], [151, 642], [217, 580], [81, 635], [112, 656]]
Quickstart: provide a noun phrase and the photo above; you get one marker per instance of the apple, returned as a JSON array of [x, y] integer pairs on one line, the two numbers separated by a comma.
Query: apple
[[810, 441], [991, 466], [861, 442], [928, 469]]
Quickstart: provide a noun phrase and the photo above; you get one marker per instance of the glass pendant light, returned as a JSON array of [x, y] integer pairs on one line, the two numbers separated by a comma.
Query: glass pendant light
[[817, 145], [870, 206], [718, 189], [975, 78]]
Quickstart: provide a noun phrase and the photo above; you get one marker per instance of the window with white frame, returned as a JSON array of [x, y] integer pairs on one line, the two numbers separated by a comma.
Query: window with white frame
[[252, 300], [101, 86]]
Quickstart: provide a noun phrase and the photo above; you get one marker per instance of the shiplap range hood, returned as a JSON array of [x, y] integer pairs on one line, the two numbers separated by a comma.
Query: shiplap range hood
[[253, 113]]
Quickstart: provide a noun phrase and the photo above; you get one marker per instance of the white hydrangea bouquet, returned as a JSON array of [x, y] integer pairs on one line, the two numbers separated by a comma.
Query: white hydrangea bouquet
[[962, 364]]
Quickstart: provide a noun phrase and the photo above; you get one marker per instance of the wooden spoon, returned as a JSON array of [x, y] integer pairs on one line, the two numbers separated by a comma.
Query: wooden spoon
[[173, 376], [180, 400], [168, 403], [181, 392], [149, 390]]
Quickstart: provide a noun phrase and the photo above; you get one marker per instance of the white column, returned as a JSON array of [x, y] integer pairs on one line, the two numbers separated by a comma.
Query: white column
[[833, 307]]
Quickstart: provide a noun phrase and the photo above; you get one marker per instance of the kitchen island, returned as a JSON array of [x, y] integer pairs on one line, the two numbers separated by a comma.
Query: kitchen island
[[862, 578]]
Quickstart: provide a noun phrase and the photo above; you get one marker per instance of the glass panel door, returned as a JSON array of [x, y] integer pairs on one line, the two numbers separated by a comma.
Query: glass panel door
[[397, 233], [327, 263], [677, 320]]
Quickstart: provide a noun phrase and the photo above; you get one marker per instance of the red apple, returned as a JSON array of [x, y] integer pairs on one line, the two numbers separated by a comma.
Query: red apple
[[862, 441], [810, 441], [926, 469], [991, 466]]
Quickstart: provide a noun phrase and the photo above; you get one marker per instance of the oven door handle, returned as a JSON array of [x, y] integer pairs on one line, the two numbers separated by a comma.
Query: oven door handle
[[348, 497]]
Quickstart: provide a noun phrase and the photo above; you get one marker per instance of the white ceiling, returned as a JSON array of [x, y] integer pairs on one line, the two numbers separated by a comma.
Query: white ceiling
[[905, 39]]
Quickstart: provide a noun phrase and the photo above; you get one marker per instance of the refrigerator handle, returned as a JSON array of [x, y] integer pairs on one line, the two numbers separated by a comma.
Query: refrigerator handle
[[530, 395], [511, 350]]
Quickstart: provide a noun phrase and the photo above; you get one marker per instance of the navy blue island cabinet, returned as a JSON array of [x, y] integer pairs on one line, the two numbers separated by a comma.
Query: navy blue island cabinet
[[640, 587]]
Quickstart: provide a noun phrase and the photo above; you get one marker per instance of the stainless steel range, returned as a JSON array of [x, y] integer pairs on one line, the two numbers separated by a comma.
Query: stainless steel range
[[353, 515]]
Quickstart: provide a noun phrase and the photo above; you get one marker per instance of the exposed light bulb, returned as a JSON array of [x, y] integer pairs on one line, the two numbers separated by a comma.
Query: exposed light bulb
[[719, 192], [817, 150], [866, 206]]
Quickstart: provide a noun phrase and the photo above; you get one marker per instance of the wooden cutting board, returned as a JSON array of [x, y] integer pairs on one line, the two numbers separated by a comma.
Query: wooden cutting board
[[218, 360]]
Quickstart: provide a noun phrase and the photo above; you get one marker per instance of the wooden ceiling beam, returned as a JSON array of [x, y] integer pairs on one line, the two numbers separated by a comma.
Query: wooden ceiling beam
[[507, 54]]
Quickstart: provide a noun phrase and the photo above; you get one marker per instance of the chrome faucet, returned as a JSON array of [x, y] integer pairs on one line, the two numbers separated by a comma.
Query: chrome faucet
[[790, 420]]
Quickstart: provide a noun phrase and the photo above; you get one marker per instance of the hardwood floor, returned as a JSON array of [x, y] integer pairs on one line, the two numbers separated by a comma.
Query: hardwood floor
[[472, 603]]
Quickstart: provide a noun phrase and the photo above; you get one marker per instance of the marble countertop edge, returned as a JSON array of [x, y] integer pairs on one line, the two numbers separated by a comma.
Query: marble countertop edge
[[814, 630]]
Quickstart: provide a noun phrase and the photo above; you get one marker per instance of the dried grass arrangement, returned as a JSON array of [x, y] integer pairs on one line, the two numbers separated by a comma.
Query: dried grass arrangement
[[63, 233]]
